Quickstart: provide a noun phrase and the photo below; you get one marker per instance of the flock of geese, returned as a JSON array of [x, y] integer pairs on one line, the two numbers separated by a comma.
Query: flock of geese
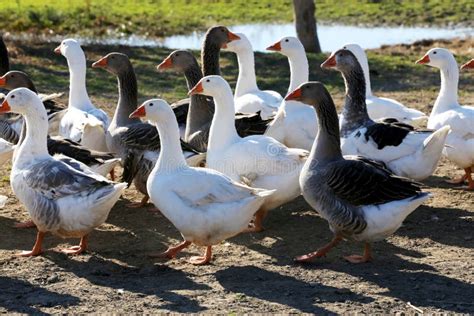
[[260, 149]]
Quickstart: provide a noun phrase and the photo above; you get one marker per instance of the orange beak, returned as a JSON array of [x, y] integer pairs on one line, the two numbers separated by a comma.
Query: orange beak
[[197, 89], [139, 112], [468, 65], [3, 81], [232, 36], [57, 50], [5, 107], [294, 96], [330, 62], [101, 63], [165, 64], [275, 47], [424, 60]]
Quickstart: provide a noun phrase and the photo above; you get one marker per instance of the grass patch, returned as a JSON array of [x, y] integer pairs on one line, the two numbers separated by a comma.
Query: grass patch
[[165, 17]]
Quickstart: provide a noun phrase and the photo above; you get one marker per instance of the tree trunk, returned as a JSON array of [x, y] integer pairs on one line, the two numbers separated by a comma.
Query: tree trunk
[[305, 23]]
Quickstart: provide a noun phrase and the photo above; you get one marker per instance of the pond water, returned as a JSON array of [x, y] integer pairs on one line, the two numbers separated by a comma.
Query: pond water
[[331, 37]]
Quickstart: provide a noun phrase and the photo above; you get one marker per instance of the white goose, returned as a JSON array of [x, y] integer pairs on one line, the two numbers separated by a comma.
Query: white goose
[[83, 122], [448, 111], [295, 123], [380, 108], [405, 151], [258, 160], [204, 205], [59, 198], [248, 97]]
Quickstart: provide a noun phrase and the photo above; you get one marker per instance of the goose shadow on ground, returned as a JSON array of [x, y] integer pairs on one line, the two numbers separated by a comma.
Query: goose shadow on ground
[[274, 287], [410, 282], [158, 280], [18, 296]]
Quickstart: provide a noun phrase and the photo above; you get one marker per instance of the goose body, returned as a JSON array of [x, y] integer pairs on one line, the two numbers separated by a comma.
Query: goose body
[[359, 197], [258, 160], [295, 123], [405, 151], [59, 198], [203, 204], [82, 122], [248, 97], [378, 107], [448, 111]]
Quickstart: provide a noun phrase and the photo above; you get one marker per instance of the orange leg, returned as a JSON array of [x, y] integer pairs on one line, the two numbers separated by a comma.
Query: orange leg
[[257, 225], [470, 182], [171, 252], [321, 252], [201, 260], [36, 248], [366, 257], [142, 203], [112, 174], [75, 250], [26, 224]]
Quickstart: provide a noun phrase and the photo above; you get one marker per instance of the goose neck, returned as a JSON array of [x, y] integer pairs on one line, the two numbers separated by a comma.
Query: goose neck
[[128, 98], [223, 131], [78, 97], [299, 70], [199, 113], [246, 81], [448, 94], [34, 144], [171, 156], [355, 109], [210, 58], [327, 145]]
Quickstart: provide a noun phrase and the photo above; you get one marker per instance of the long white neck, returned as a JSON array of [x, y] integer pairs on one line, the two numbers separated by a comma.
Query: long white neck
[[34, 146], [247, 81], [299, 69], [223, 130], [171, 156], [78, 97], [448, 95], [364, 63]]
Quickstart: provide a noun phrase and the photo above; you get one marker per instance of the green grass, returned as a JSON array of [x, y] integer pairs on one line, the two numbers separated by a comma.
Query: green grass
[[165, 17]]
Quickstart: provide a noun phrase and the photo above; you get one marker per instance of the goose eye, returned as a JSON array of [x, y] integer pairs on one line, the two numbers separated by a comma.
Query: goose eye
[[208, 80], [177, 55], [434, 53], [287, 40], [13, 96], [151, 104]]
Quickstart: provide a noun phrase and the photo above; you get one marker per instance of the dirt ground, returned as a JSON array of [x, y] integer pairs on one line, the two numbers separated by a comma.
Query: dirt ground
[[427, 266]]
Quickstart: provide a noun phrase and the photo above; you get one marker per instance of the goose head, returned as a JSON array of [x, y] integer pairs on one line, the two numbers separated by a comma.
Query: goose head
[[71, 49], [288, 46], [343, 60], [468, 65], [239, 45], [437, 57], [23, 101], [179, 59], [211, 86], [312, 93], [16, 79], [115, 63], [220, 36], [155, 110]]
